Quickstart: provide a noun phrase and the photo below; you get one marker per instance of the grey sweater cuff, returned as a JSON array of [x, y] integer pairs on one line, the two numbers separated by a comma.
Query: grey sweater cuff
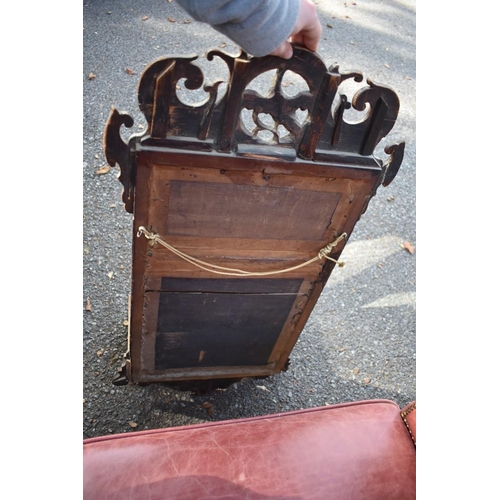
[[257, 26]]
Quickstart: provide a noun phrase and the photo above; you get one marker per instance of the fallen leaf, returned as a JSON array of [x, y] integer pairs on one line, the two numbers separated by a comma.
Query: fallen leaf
[[211, 411], [145, 18], [366, 380], [171, 19], [133, 424], [408, 247], [187, 21], [100, 353], [328, 25], [103, 170], [88, 307], [130, 71], [200, 357], [207, 405], [356, 371], [91, 76]]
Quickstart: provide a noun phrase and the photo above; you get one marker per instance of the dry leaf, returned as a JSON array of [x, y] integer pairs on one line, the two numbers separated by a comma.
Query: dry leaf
[[328, 25], [130, 71], [103, 170], [133, 424], [187, 21], [91, 76], [88, 307], [145, 18], [207, 405], [408, 247], [171, 19], [366, 380], [211, 411]]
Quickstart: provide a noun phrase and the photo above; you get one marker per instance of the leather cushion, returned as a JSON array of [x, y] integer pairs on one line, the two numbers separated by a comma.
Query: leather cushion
[[351, 451]]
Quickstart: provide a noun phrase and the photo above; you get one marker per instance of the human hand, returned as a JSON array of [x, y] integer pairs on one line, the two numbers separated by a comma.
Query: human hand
[[307, 31]]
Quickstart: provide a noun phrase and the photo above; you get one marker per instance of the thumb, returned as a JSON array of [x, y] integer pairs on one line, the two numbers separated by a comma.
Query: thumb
[[285, 50]]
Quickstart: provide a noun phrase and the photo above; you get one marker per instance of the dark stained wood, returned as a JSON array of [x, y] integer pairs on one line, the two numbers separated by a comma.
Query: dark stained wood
[[218, 190], [218, 329]]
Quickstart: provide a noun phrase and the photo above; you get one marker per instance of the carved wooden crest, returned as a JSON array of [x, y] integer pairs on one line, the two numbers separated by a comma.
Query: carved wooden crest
[[322, 133]]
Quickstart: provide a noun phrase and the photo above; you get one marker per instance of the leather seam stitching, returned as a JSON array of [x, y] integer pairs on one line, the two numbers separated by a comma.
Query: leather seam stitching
[[403, 416]]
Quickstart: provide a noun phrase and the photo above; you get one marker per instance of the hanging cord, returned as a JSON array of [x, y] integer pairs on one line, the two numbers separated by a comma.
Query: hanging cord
[[155, 238]]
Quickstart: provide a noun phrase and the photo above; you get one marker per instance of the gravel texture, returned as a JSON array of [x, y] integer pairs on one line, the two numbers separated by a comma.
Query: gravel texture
[[359, 342]]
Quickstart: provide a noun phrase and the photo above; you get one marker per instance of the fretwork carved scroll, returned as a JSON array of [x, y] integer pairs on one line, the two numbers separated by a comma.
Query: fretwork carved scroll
[[217, 123]]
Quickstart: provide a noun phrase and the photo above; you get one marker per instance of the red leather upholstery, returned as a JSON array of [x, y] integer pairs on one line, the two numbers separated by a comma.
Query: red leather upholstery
[[353, 451]]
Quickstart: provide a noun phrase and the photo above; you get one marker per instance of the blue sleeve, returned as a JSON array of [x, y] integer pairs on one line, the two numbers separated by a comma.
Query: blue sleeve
[[257, 26]]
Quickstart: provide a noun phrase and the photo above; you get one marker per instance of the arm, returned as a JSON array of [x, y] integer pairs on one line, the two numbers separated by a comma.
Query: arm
[[260, 27]]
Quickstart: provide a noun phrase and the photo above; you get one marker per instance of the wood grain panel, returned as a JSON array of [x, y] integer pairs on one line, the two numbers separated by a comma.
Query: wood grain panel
[[218, 329], [216, 210]]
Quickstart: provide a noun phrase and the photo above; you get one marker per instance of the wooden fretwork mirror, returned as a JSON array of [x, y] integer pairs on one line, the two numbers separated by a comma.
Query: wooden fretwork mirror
[[238, 222]]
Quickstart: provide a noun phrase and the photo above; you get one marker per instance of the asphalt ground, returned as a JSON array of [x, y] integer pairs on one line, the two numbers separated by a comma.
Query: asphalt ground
[[360, 340]]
